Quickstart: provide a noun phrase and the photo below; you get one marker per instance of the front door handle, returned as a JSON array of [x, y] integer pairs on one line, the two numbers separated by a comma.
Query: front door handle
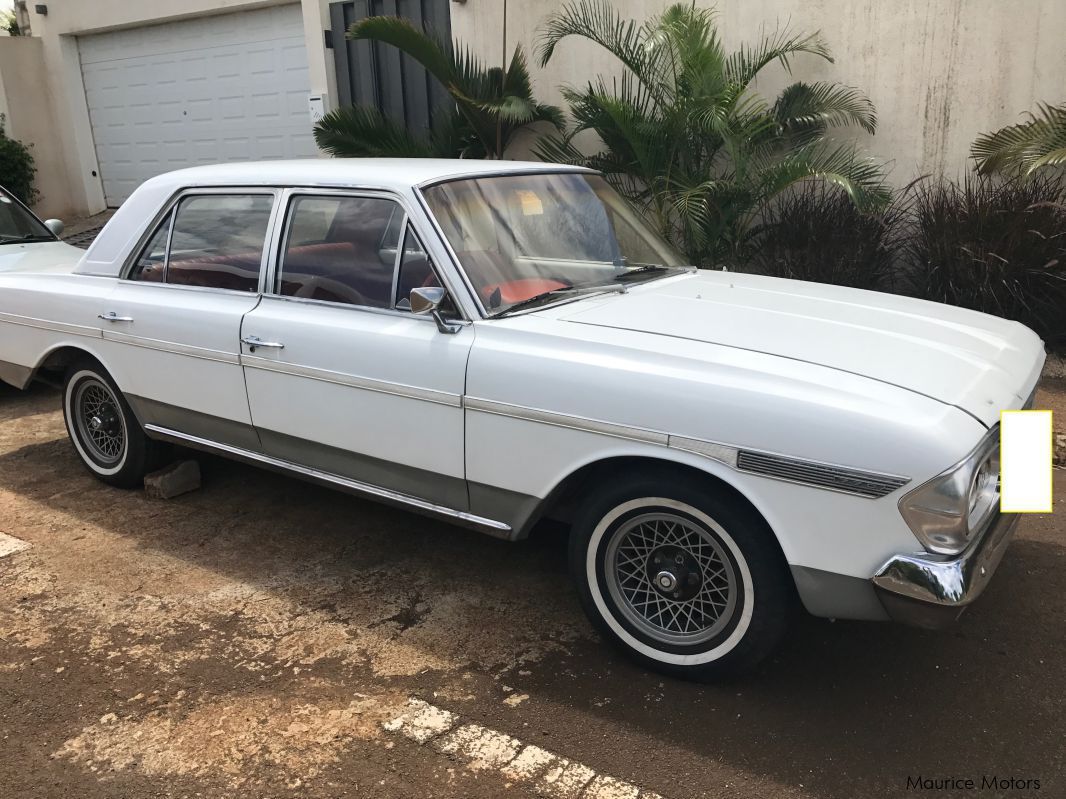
[[111, 316], [255, 341]]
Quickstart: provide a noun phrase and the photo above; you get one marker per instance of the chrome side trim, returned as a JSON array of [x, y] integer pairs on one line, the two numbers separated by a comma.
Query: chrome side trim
[[821, 475], [172, 347], [826, 476], [55, 327], [353, 381], [723, 453], [490, 526], [565, 420]]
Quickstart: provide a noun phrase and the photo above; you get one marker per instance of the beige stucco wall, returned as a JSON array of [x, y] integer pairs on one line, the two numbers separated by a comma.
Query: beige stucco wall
[[939, 71], [27, 105], [67, 19]]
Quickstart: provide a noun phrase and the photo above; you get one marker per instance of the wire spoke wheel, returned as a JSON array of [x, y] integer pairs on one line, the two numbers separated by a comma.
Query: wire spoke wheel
[[671, 578], [99, 420]]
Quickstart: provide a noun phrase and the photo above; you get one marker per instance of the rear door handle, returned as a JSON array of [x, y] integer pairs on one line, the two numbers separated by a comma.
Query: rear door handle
[[255, 341], [111, 316]]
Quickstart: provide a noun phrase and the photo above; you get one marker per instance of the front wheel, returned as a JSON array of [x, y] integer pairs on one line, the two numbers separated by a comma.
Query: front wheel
[[687, 579], [105, 433]]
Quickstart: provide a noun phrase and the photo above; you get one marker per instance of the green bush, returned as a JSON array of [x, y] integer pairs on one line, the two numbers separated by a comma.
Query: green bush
[[991, 244], [16, 167]]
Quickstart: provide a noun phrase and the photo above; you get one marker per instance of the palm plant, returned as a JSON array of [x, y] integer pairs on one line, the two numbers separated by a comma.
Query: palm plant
[[491, 104], [1025, 147], [687, 140]]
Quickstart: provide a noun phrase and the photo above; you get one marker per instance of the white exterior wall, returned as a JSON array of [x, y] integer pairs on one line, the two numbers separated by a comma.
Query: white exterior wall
[[939, 72]]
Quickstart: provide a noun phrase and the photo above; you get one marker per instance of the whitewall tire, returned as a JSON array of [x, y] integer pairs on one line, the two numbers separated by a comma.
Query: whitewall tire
[[687, 579], [103, 429]]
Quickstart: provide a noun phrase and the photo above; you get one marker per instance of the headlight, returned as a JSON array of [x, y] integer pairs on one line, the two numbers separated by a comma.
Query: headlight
[[947, 511]]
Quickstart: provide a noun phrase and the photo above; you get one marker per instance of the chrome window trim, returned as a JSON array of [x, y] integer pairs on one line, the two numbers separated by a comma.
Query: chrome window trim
[[399, 314], [353, 381], [491, 526], [730, 455]]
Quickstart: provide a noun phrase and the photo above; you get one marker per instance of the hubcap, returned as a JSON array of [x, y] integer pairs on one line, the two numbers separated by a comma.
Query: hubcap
[[671, 577], [99, 420]]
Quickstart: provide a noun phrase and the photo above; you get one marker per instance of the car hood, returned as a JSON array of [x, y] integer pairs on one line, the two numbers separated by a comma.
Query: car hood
[[39, 256], [980, 363]]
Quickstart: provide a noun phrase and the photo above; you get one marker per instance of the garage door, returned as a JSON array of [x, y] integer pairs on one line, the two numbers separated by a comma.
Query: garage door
[[231, 87]]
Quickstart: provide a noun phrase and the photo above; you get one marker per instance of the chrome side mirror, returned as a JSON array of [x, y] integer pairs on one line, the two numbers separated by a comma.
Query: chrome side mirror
[[427, 300], [55, 225]]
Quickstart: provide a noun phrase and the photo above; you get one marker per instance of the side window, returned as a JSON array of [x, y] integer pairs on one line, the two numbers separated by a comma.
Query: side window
[[218, 241], [340, 249], [151, 264], [415, 270]]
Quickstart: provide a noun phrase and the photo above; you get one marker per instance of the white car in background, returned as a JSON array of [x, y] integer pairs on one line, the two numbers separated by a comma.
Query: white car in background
[[27, 244], [493, 343]]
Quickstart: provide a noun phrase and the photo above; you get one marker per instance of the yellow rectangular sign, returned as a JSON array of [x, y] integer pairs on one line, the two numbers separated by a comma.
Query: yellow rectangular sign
[[1025, 461]]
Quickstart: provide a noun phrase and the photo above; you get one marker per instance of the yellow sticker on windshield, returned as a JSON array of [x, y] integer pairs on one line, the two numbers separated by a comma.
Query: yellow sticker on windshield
[[531, 204]]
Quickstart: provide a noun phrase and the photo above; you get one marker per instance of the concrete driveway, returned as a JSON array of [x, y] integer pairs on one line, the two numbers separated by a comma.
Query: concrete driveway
[[263, 637]]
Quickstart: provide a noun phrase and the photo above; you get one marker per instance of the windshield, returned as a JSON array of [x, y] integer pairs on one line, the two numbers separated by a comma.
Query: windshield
[[18, 224], [526, 238]]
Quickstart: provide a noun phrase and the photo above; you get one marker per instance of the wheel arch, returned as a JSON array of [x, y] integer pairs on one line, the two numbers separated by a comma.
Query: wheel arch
[[54, 363], [561, 502]]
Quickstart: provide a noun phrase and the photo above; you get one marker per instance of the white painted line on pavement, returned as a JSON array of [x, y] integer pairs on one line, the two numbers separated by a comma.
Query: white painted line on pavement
[[9, 545], [484, 749]]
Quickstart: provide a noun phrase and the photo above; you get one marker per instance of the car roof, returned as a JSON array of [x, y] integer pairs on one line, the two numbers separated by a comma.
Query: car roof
[[386, 173], [399, 175]]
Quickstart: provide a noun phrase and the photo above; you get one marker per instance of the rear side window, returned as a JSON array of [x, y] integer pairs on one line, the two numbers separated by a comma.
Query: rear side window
[[215, 241], [151, 264], [218, 241], [341, 249]]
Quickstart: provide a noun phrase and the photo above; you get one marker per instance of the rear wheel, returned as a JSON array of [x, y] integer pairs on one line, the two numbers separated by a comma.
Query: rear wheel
[[686, 579], [105, 433]]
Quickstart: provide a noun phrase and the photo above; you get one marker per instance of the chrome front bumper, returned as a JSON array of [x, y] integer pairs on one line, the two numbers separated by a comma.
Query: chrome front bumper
[[931, 591]]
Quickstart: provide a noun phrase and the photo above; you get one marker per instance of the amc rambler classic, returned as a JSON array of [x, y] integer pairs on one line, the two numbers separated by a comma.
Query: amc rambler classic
[[495, 343]]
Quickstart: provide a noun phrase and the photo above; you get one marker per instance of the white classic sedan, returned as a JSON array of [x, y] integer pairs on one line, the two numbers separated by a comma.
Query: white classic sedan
[[28, 244], [493, 343]]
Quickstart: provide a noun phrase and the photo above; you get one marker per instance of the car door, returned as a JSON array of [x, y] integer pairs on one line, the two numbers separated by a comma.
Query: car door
[[173, 322], [341, 376]]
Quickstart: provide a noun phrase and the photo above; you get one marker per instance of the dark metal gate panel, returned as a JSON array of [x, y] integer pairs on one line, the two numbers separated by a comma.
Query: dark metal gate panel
[[379, 75]]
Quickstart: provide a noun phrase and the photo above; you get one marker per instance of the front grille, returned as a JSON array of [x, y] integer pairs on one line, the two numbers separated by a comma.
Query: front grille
[[820, 475]]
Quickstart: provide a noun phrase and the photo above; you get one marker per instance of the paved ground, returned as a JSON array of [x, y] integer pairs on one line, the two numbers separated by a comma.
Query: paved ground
[[81, 231], [263, 638]]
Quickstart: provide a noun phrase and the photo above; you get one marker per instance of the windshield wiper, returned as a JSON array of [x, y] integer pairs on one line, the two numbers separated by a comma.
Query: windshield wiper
[[642, 269], [569, 291], [27, 237]]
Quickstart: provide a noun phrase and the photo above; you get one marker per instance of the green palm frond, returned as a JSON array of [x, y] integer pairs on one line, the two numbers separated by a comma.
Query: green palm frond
[[361, 132], [862, 179], [1024, 147], [429, 50], [805, 110], [597, 21], [492, 104], [749, 61]]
